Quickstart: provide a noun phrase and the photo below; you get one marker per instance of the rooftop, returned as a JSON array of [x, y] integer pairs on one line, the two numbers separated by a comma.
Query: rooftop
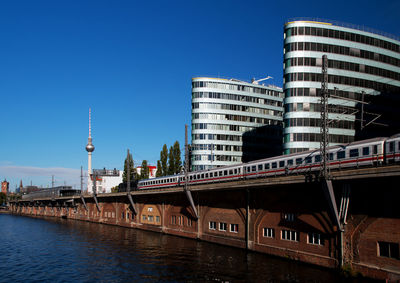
[[342, 24]]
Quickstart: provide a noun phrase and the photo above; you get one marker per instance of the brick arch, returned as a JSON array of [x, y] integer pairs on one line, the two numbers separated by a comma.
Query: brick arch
[[106, 207], [151, 211], [238, 212]]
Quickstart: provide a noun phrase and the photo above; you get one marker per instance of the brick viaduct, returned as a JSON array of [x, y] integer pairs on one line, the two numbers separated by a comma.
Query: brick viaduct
[[288, 216]]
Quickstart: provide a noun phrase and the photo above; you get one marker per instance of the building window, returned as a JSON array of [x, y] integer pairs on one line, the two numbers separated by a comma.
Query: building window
[[222, 226], [173, 219], [158, 219], [386, 249], [122, 215], [290, 235], [127, 215], [315, 239], [234, 228], [269, 232], [288, 217], [189, 222], [144, 217], [151, 218], [212, 225]]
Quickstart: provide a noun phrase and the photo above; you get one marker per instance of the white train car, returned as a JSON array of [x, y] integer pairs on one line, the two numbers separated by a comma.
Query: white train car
[[361, 153], [392, 149]]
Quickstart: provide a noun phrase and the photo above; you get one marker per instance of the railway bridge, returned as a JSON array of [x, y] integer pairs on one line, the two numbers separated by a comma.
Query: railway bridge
[[354, 222]]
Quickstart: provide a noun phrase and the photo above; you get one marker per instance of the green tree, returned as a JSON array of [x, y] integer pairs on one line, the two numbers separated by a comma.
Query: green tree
[[144, 171], [171, 161], [174, 159], [164, 161], [132, 170], [3, 198], [159, 169], [177, 158]]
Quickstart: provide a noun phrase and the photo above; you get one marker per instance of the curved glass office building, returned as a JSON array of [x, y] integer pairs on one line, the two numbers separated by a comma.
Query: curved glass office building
[[362, 64], [234, 121]]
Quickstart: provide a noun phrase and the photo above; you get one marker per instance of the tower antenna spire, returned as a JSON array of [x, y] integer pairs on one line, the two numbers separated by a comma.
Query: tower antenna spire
[[90, 124], [90, 149]]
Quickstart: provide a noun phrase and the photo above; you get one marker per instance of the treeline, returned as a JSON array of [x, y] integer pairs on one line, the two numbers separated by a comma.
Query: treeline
[[144, 171], [170, 162]]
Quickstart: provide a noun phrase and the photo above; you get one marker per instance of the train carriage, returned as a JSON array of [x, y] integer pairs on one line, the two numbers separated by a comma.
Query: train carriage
[[392, 149], [361, 153]]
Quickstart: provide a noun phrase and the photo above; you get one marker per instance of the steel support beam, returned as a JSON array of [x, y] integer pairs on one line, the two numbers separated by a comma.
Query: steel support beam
[[84, 202], [132, 203], [330, 196], [97, 203]]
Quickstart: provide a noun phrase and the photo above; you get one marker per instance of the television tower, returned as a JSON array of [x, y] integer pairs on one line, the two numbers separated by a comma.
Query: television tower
[[89, 149]]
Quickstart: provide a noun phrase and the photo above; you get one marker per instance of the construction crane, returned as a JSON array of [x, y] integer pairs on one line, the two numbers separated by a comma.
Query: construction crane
[[254, 81]]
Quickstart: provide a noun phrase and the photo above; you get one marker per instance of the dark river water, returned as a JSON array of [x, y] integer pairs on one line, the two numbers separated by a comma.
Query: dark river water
[[58, 250]]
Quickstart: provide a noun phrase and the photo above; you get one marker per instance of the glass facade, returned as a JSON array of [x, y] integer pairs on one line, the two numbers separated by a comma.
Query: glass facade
[[361, 65], [234, 121]]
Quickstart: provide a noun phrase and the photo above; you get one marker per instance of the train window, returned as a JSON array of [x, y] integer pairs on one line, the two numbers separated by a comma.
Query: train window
[[253, 168], [236, 171], [202, 176], [341, 154], [308, 159], [260, 167], [215, 174], [266, 166], [220, 173], [317, 158], [375, 149], [398, 146], [391, 146], [299, 161], [273, 164], [225, 172], [290, 162], [354, 152], [330, 156], [230, 172], [206, 175], [281, 163], [365, 150]]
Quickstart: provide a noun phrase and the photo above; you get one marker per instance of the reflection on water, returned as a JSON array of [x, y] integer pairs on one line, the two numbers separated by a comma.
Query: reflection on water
[[59, 250]]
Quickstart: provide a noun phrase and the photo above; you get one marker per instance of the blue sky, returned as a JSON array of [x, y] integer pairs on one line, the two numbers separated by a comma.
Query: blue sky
[[132, 63]]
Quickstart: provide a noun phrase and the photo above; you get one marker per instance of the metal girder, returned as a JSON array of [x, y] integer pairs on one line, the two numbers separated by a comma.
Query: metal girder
[[132, 203], [84, 203], [97, 203], [330, 196], [189, 196]]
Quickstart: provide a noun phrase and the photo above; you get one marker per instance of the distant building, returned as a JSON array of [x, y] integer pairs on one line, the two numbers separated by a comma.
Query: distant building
[[29, 189], [5, 186], [105, 180]]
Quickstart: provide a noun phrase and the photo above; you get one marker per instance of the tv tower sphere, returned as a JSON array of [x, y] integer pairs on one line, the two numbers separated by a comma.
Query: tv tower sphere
[[90, 147]]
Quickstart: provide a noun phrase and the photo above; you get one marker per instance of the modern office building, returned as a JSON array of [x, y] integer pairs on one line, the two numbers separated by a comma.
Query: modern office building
[[363, 65], [234, 121]]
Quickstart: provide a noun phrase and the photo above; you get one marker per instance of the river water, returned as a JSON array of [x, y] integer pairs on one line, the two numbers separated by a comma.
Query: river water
[[59, 250]]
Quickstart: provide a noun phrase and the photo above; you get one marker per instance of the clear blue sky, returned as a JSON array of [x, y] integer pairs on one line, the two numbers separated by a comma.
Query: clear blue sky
[[132, 63]]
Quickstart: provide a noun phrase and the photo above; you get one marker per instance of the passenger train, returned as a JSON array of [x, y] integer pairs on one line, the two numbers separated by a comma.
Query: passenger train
[[356, 154]]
